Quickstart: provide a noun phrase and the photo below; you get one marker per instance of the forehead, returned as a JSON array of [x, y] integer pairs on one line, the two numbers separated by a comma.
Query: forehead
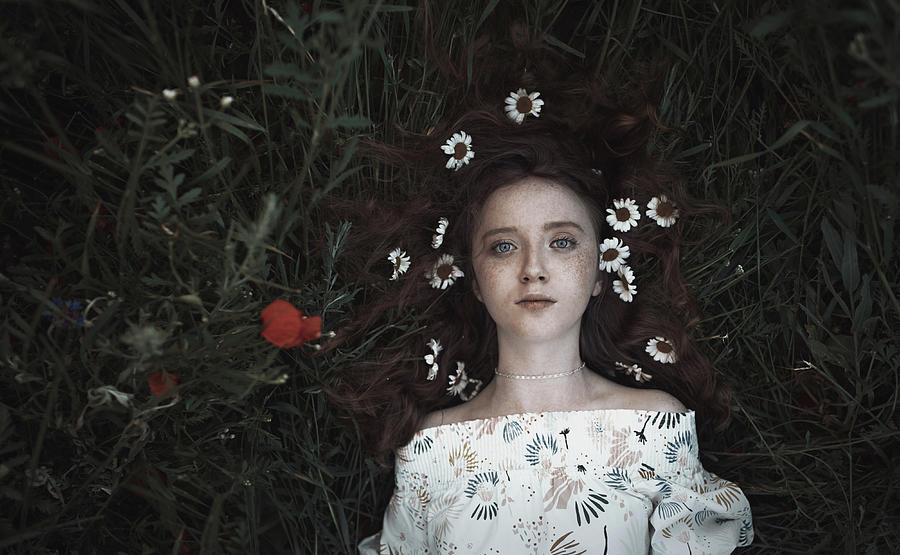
[[529, 203]]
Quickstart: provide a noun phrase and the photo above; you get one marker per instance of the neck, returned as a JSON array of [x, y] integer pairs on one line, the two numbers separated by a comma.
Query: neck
[[535, 358]]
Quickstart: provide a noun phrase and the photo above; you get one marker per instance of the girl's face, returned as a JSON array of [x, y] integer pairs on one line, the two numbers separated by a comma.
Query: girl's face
[[534, 237]]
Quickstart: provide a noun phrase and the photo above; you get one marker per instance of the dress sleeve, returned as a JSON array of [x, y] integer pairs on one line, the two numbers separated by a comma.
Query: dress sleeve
[[695, 507], [403, 526]]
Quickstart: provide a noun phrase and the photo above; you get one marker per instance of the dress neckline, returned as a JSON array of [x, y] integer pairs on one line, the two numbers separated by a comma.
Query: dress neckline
[[548, 412]]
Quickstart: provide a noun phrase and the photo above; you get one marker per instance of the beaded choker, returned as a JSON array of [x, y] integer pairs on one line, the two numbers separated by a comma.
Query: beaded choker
[[538, 377]]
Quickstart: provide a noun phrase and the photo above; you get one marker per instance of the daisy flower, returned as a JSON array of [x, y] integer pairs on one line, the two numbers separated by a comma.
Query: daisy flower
[[624, 216], [636, 371], [169, 94], [400, 261], [661, 349], [444, 272], [477, 383], [193, 81], [431, 358], [459, 147], [624, 285], [226, 101], [613, 254], [520, 104], [662, 210], [458, 382], [438, 238]]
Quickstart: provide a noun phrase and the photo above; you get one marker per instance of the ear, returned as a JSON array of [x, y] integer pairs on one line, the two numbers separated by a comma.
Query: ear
[[599, 285]]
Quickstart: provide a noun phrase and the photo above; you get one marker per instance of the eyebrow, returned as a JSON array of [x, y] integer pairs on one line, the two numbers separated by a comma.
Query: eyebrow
[[547, 227]]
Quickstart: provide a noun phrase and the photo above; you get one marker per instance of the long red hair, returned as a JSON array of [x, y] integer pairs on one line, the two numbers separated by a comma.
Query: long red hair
[[593, 137]]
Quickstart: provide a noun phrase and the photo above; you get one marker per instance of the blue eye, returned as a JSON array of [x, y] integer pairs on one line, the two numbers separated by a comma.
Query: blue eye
[[570, 242], [497, 248]]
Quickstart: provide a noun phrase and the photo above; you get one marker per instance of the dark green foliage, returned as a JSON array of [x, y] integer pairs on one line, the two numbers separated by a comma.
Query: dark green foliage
[[174, 223]]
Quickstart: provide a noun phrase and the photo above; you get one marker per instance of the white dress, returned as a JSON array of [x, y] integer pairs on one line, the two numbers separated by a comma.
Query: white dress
[[610, 481]]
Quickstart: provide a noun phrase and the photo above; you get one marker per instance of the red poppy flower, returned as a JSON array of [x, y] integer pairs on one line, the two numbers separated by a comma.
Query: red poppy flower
[[285, 326], [161, 382]]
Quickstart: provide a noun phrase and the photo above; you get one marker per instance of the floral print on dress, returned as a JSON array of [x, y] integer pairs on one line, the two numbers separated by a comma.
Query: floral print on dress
[[565, 483], [511, 431], [483, 487]]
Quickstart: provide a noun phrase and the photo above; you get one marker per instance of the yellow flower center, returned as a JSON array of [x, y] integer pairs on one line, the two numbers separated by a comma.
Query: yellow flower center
[[610, 254], [663, 347], [623, 214]]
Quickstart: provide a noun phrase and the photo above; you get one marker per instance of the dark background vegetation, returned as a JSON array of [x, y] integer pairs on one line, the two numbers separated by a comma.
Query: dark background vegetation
[[173, 223]]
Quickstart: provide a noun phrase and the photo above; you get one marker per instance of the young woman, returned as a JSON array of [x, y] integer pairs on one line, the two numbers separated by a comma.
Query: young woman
[[550, 398]]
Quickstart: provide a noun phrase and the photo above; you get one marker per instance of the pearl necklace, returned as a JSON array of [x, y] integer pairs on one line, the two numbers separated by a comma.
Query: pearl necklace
[[538, 377]]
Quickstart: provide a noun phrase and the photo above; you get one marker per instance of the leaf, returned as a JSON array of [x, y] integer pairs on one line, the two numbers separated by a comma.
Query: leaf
[[693, 150], [211, 172], [832, 241], [849, 264], [781, 225], [563, 46], [863, 308], [771, 23]]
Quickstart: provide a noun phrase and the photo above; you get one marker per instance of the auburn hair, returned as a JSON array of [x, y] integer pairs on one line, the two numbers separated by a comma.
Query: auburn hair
[[593, 136]]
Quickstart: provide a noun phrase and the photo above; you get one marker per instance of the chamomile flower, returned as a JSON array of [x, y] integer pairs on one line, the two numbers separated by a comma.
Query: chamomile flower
[[636, 371], [662, 210], [661, 350], [226, 101], [520, 104], [444, 273], [169, 94], [194, 81], [460, 381], [624, 216], [624, 286], [613, 254], [477, 387], [438, 238], [400, 261], [431, 358], [459, 147]]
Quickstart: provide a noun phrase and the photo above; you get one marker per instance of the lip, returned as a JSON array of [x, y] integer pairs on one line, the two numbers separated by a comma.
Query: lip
[[535, 305], [533, 298]]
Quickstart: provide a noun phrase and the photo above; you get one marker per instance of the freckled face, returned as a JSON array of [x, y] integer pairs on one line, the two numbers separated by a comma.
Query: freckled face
[[535, 237]]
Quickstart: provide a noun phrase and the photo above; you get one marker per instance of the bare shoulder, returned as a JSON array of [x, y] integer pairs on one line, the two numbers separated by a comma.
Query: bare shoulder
[[656, 400], [445, 416]]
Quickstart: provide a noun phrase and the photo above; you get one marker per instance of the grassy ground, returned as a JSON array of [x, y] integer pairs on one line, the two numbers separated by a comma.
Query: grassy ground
[[173, 223]]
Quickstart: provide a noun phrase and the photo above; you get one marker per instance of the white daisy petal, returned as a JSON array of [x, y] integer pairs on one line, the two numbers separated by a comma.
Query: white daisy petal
[[400, 261], [520, 104], [636, 371], [459, 147], [661, 350], [613, 254], [444, 273], [431, 358], [624, 215], [459, 381], [662, 211], [624, 286], [438, 238]]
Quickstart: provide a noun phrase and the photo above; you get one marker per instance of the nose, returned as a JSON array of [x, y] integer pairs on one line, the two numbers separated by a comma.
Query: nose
[[533, 269]]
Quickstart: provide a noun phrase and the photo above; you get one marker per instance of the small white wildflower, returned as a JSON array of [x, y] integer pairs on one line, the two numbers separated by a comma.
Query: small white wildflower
[[438, 238], [459, 147], [661, 350]]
